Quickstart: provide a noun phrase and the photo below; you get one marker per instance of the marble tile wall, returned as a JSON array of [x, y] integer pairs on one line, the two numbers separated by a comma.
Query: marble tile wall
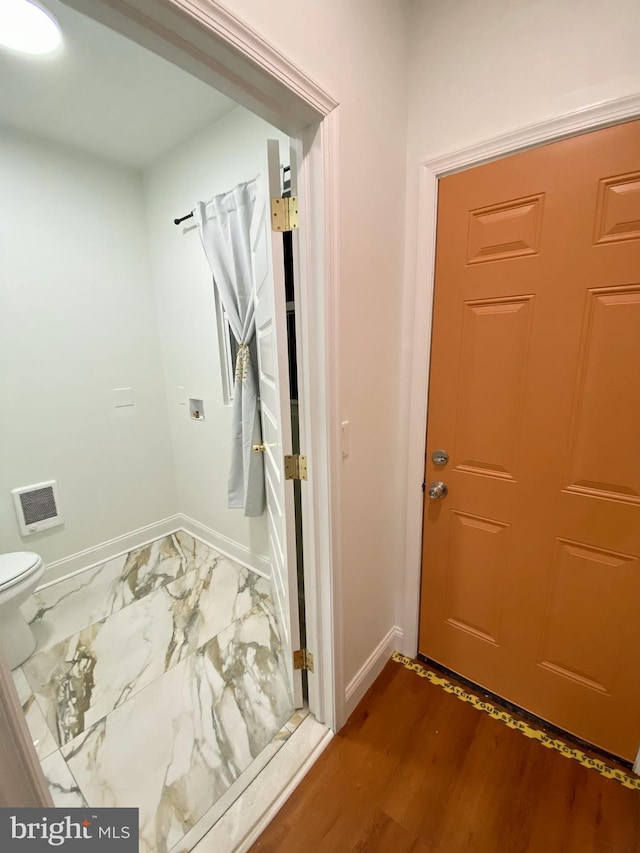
[[158, 678]]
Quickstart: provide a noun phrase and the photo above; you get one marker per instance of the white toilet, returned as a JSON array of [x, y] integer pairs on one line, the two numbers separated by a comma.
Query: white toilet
[[20, 572]]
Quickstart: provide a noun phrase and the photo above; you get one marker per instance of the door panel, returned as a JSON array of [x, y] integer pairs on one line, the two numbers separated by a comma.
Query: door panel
[[478, 552], [618, 209], [509, 230], [600, 463], [495, 336], [580, 578], [273, 373], [531, 576]]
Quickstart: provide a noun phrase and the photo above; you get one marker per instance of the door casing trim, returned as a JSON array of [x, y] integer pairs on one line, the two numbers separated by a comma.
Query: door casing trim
[[419, 308]]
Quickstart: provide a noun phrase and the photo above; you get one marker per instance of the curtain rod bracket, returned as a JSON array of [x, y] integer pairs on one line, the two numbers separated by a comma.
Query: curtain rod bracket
[[182, 218]]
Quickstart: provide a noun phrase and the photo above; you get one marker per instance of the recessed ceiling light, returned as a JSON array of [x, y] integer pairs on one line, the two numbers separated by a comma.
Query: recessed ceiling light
[[27, 27]]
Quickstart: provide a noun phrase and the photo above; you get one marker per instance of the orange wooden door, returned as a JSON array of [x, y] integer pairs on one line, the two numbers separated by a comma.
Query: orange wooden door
[[531, 569]]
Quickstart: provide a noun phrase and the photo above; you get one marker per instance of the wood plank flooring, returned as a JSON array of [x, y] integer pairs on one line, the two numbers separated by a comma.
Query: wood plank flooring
[[416, 769]]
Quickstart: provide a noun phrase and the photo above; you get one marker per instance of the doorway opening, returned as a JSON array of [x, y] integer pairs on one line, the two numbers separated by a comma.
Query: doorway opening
[[165, 542]]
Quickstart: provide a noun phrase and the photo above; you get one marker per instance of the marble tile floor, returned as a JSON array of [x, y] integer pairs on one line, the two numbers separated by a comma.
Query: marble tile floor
[[158, 680]]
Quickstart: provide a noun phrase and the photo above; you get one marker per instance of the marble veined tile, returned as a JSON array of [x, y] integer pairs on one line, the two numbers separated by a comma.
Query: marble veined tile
[[158, 752], [81, 679], [256, 697], [174, 748], [214, 594], [64, 608], [197, 554], [43, 740], [64, 788]]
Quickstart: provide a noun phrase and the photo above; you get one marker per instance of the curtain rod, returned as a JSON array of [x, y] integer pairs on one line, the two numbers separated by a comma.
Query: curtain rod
[[190, 215]]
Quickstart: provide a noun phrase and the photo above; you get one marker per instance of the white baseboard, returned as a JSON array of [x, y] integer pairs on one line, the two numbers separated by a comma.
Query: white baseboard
[[82, 561], [240, 553], [371, 669], [91, 557]]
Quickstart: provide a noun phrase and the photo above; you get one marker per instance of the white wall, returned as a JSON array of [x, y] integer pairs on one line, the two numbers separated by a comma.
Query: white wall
[[478, 69], [231, 151], [77, 320]]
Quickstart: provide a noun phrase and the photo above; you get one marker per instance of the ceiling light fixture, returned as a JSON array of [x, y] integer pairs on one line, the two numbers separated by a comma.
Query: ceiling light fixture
[[27, 27]]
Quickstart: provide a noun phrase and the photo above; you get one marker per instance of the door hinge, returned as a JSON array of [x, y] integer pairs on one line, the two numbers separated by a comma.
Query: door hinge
[[284, 214], [295, 467], [302, 659]]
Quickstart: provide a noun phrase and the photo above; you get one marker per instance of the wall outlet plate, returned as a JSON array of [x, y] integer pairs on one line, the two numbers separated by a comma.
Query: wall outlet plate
[[345, 439], [122, 397], [196, 409]]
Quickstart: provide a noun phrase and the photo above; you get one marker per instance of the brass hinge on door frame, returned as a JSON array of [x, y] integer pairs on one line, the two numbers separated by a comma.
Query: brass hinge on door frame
[[295, 467], [284, 214], [302, 659]]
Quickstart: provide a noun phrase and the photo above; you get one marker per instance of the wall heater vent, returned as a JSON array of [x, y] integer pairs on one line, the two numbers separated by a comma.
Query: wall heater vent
[[37, 507]]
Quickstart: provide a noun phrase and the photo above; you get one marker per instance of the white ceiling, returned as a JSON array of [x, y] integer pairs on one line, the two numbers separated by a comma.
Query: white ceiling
[[105, 94]]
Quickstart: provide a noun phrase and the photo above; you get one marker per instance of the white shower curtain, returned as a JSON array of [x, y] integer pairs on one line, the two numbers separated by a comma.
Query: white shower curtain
[[224, 224]]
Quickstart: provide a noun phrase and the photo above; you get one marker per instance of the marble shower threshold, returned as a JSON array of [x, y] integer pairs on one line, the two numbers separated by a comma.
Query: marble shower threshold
[[240, 816]]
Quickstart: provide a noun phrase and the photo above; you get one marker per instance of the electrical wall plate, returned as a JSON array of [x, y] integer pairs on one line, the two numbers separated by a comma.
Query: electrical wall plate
[[196, 409]]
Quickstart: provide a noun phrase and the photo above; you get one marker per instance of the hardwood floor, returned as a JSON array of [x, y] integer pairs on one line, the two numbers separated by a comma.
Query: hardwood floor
[[416, 769]]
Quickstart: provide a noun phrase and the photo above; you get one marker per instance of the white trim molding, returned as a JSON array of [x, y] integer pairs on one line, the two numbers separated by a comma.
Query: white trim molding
[[209, 41], [81, 561], [257, 563], [218, 19], [579, 121], [371, 669], [418, 306], [90, 558], [319, 400]]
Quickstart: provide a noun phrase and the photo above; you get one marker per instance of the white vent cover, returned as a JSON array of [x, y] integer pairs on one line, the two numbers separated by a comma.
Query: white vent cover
[[37, 507]]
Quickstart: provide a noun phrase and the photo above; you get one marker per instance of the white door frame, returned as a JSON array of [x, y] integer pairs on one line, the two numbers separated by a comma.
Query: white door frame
[[209, 41], [419, 305]]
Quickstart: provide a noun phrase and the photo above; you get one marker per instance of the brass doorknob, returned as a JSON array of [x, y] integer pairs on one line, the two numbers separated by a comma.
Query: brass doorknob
[[259, 448]]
